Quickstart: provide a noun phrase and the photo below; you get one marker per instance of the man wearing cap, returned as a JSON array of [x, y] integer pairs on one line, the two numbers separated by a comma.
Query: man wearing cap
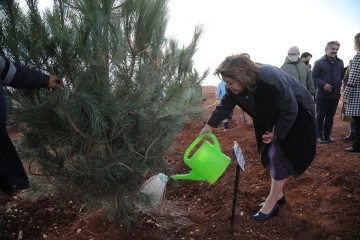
[[298, 69], [327, 73]]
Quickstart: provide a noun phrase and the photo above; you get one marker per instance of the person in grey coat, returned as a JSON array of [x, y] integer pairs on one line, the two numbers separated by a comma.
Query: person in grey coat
[[12, 174], [298, 69], [351, 95], [283, 116]]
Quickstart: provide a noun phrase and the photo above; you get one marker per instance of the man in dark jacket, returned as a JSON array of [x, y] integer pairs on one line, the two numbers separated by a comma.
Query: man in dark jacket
[[12, 173], [327, 74]]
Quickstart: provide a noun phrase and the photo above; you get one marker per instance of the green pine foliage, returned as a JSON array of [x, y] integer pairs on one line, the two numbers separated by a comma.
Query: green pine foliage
[[110, 126]]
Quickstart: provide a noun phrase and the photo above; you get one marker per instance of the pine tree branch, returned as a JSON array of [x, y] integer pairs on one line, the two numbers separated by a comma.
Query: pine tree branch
[[75, 169], [73, 124], [118, 6], [78, 130], [38, 174], [133, 150], [111, 165], [148, 149]]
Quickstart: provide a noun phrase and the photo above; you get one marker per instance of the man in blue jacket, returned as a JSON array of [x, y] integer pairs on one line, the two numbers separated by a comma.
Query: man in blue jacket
[[12, 174], [327, 74]]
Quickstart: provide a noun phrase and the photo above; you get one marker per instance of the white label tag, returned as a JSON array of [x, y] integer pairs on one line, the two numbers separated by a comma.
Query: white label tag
[[239, 155]]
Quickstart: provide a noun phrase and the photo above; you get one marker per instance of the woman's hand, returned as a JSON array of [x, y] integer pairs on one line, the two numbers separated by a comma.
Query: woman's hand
[[205, 129], [268, 137]]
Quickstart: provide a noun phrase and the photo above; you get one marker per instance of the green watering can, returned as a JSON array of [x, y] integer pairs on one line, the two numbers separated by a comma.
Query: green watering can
[[208, 163]]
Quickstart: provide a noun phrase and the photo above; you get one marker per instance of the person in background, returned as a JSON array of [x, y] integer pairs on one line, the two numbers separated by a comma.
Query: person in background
[[297, 68], [283, 116], [220, 93], [12, 174], [306, 57], [351, 95], [351, 136], [327, 74]]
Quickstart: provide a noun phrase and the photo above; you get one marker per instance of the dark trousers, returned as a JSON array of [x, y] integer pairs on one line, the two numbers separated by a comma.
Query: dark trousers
[[325, 112], [356, 144], [11, 169]]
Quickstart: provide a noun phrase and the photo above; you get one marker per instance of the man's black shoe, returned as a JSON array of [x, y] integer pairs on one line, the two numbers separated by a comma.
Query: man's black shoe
[[322, 140], [350, 137], [351, 149], [329, 139]]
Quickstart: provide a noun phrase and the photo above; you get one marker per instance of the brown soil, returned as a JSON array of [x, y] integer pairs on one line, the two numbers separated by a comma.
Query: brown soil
[[323, 203]]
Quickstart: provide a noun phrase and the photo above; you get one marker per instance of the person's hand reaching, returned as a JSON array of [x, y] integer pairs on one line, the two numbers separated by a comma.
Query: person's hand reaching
[[55, 82]]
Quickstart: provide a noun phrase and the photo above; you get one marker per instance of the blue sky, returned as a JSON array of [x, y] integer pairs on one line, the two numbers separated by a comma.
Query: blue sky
[[262, 28]]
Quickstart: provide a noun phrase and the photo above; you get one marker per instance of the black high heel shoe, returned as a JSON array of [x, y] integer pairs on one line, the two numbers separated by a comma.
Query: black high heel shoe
[[281, 201], [259, 216]]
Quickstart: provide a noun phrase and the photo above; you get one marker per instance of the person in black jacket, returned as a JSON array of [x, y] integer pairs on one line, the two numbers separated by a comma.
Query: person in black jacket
[[283, 116], [12, 174], [327, 74]]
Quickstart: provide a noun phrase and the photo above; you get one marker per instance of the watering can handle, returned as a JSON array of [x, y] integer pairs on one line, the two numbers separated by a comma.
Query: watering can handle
[[198, 139]]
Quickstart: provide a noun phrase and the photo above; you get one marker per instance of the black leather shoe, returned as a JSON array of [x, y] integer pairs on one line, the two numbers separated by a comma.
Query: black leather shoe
[[281, 201], [322, 140], [350, 137], [351, 149], [329, 139], [259, 216]]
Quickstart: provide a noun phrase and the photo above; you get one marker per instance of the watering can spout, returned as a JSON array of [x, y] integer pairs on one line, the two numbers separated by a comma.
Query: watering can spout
[[190, 176]]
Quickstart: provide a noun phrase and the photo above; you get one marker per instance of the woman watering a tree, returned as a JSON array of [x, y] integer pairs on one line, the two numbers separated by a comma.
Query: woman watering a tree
[[283, 116]]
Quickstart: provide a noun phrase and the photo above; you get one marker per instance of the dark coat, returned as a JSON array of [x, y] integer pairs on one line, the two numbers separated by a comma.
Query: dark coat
[[331, 72], [11, 169], [282, 105]]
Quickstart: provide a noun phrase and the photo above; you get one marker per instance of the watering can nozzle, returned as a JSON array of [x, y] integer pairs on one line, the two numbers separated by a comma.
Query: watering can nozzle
[[190, 176], [163, 177]]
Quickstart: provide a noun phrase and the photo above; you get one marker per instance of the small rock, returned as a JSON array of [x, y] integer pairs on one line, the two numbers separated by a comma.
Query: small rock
[[20, 235], [78, 231], [44, 235], [70, 202], [8, 210]]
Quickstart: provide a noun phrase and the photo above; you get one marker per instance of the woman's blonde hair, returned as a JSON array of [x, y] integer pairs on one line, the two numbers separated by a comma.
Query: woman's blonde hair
[[241, 68], [357, 42]]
